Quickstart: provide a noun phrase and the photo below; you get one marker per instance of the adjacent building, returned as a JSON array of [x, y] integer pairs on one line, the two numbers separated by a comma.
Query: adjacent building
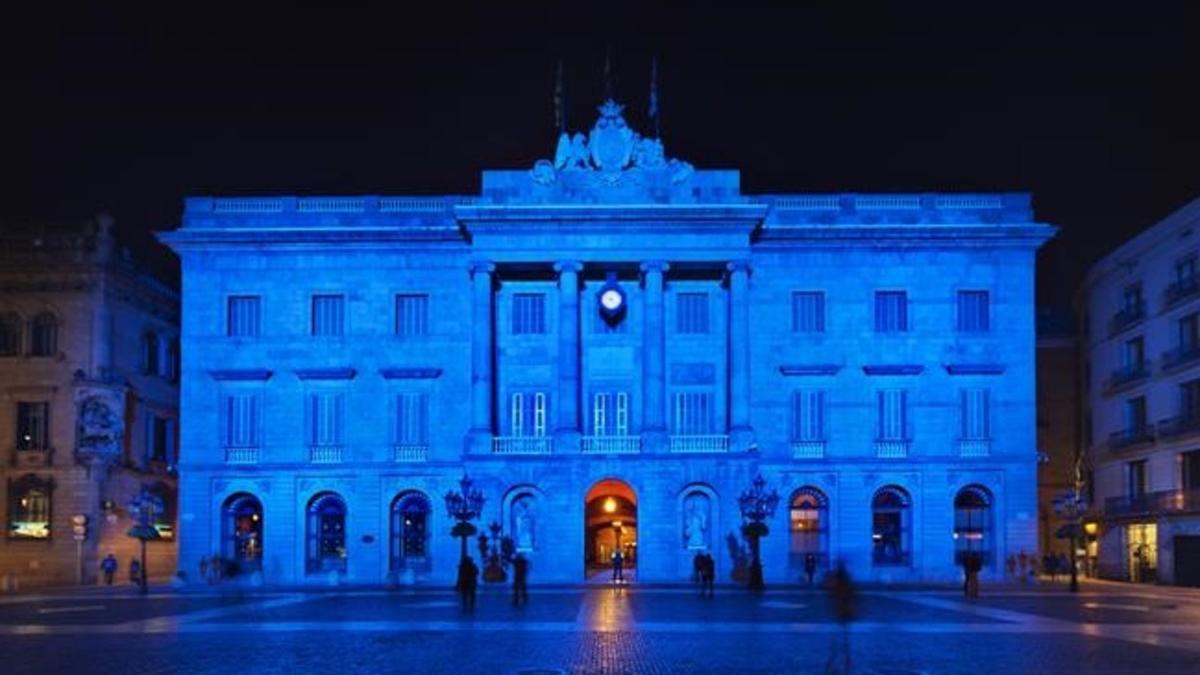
[[89, 354], [1140, 313], [1058, 422], [612, 345]]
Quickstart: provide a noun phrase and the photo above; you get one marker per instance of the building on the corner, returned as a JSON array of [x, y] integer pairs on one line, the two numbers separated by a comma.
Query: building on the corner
[[1058, 422], [1140, 326], [88, 402], [613, 345]]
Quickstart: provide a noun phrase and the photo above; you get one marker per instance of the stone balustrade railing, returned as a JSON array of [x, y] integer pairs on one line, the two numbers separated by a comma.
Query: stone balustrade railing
[[522, 445], [700, 443], [610, 445]]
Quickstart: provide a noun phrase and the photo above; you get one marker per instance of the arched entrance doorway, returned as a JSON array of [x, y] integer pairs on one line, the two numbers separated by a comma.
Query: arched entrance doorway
[[243, 531], [610, 525]]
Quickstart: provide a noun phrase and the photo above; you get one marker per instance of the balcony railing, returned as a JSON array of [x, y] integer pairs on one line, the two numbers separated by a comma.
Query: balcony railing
[[241, 455], [1181, 290], [610, 445], [410, 452], [891, 448], [1129, 438], [1127, 376], [1126, 318], [522, 445], [974, 447], [32, 458], [707, 443], [325, 454], [1180, 356], [1153, 503], [808, 449], [1183, 425]]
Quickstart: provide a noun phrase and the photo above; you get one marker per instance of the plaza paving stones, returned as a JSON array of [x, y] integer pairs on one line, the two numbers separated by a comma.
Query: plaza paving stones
[[601, 630]]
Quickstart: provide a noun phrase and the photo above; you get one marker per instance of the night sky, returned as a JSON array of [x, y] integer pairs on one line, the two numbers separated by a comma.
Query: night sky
[[1092, 109]]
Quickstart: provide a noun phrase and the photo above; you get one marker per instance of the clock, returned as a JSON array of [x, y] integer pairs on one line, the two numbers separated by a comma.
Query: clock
[[611, 300]]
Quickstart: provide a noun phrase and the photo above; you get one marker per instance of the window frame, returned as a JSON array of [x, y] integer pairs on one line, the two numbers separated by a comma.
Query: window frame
[[233, 328], [903, 320]]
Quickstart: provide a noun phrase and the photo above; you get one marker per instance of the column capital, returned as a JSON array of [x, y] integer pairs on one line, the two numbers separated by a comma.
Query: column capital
[[568, 266], [484, 266], [738, 266], [655, 266]]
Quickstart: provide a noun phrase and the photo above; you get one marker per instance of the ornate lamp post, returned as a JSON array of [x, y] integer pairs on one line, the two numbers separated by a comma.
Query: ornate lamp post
[[464, 506], [145, 508], [1070, 506], [757, 506]]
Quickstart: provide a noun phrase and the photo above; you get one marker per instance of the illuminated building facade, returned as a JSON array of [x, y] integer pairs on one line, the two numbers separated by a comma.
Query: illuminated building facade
[[613, 345]]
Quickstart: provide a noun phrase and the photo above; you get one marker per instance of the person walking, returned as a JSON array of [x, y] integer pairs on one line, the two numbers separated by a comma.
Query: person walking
[[842, 596], [135, 572], [468, 574], [810, 567], [520, 580], [618, 566], [708, 574], [109, 567], [974, 565]]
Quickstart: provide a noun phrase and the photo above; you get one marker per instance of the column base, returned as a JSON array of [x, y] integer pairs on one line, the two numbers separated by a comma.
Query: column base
[[741, 439]]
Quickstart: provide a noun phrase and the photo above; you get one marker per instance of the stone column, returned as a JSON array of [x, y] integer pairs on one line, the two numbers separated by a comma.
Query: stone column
[[740, 431], [481, 356], [654, 386], [567, 431]]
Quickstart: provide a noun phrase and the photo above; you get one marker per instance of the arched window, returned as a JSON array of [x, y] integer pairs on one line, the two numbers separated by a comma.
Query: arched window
[[973, 523], [10, 334], [29, 507], [243, 530], [326, 540], [43, 335], [410, 531], [150, 353], [891, 518], [809, 526]]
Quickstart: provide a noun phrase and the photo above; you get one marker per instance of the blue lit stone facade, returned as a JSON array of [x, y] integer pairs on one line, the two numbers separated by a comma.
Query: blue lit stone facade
[[511, 373]]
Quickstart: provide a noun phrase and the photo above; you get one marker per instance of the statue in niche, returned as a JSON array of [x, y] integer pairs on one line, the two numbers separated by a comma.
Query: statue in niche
[[695, 521], [523, 522]]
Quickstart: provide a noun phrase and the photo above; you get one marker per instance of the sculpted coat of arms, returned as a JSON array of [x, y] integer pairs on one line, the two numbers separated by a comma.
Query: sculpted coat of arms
[[101, 429]]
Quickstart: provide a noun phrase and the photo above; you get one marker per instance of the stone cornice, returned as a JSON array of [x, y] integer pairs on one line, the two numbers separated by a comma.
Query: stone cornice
[[801, 370], [241, 375], [410, 373], [325, 373], [893, 369], [974, 368]]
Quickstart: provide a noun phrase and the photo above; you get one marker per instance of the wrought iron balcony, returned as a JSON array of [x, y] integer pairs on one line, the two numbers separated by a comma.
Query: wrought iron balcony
[[410, 452], [705, 443], [1126, 318], [1181, 290], [1180, 357], [1132, 437], [891, 448], [325, 454], [1127, 376], [32, 458], [1183, 425], [610, 445], [522, 445], [808, 449], [241, 455], [1153, 503], [974, 447]]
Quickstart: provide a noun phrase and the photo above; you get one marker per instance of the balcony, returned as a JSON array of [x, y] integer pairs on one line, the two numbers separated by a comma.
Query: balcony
[[1126, 317], [808, 449], [610, 445], [974, 447], [408, 452], [1165, 502], [32, 458], [241, 455], [325, 454], [1180, 357], [522, 445], [707, 443], [1179, 291], [1128, 376], [1175, 427], [891, 448], [1131, 438]]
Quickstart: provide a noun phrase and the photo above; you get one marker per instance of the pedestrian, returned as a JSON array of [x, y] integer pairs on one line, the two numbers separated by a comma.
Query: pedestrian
[[842, 595], [109, 567], [708, 574], [135, 572], [974, 567], [467, 580], [520, 580], [698, 570], [1023, 565], [810, 567], [618, 566], [1010, 565], [965, 561]]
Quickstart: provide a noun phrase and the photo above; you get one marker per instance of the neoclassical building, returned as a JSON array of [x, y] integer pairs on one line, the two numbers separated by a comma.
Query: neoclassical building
[[612, 345]]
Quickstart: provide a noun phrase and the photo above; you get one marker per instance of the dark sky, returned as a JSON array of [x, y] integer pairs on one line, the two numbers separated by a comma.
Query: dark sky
[[1092, 107]]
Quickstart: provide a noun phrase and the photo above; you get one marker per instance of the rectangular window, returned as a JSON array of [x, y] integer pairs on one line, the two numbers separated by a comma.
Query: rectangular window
[[412, 314], [1135, 414], [808, 415], [892, 415], [160, 430], [693, 413], [412, 419], [808, 312], [1131, 299], [1137, 478], [1135, 353], [33, 425], [973, 311], [610, 414], [528, 414], [1189, 400], [529, 314], [328, 315], [1190, 465], [691, 313], [325, 416], [1187, 333], [973, 405], [241, 420], [1185, 272], [243, 313], [891, 311]]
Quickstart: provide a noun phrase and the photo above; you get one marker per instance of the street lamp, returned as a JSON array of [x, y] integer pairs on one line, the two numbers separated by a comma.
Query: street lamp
[[145, 508], [464, 506], [757, 505], [1070, 506]]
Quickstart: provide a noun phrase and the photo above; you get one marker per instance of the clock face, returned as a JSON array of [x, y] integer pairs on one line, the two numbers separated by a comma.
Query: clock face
[[611, 299]]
